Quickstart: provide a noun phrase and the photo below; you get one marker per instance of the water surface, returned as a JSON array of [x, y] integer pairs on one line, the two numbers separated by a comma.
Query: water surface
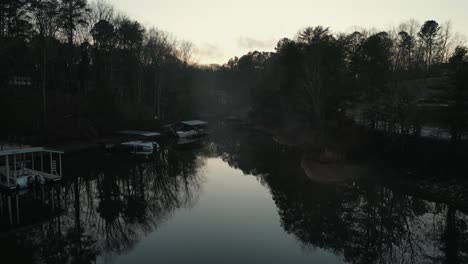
[[241, 198]]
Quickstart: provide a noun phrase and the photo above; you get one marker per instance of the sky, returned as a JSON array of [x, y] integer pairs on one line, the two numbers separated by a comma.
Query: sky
[[222, 29]]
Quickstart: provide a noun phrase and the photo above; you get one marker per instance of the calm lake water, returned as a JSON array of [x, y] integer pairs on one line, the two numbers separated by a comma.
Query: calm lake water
[[240, 198]]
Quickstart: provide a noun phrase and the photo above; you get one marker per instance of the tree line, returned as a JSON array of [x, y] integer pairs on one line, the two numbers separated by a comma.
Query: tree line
[[397, 81], [89, 67], [69, 67]]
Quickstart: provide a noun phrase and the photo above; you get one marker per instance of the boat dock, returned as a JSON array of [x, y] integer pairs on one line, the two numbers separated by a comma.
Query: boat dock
[[16, 161]]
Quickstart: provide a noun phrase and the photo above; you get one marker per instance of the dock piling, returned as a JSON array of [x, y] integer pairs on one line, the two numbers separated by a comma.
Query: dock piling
[[7, 170], [14, 166], [9, 209]]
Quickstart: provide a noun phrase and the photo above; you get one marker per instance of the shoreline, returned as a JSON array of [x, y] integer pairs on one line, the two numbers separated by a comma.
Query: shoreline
[[450, 191], [453, 192]]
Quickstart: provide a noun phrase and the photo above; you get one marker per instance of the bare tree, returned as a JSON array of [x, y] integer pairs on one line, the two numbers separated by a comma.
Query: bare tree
[[445, 39], [185, 52], [99, 10], [411, 26], [157, 49], [44, 14]]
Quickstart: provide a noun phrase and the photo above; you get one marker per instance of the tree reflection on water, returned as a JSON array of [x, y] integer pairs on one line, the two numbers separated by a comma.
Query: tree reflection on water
[[363, 221], [109, 203]]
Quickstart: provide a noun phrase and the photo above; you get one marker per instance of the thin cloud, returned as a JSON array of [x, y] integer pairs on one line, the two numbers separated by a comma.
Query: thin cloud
[[251, 43], [209, 51]]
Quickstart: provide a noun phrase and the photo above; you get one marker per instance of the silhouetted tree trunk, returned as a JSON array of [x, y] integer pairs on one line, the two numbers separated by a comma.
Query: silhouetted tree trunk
[[44, 81], [450, 238], [159, 93]]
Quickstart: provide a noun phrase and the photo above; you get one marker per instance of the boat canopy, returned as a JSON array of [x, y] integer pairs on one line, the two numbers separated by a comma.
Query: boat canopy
[[139, 133], [194, 122], [138, 143], [14, 150]]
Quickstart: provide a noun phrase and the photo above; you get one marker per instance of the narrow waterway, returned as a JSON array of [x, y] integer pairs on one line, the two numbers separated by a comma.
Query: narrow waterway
[[240, 198]]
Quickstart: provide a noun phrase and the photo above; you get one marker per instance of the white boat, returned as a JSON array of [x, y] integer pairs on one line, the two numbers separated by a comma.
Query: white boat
[[188, 130], [24, 178], [130, 136], [139, 147], [27, 180]]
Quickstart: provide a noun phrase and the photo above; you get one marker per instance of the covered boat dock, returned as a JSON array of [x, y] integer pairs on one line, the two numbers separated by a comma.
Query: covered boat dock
[[16, 161]]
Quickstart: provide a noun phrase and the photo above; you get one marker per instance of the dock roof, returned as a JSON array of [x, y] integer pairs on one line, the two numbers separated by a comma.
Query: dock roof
[[13, 149], [194, 122], [139, 133]]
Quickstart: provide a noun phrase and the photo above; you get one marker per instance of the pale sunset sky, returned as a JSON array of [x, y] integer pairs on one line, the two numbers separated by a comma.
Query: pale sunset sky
[[223, 29]]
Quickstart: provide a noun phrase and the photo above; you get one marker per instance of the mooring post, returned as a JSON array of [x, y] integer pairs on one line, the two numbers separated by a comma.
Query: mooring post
[[17, 209], [14, 166], [9, 210], [58, 197]]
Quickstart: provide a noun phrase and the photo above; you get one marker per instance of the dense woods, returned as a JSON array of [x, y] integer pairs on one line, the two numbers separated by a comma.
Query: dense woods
[[76, 68], [397, 81], [69, 67]]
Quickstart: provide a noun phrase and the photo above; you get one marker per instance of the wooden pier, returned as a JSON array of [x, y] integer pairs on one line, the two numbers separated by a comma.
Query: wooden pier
[[18, 161]]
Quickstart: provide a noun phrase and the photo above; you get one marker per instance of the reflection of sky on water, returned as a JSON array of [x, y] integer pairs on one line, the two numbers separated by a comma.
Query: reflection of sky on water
[[240, 199], [234, 221]]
